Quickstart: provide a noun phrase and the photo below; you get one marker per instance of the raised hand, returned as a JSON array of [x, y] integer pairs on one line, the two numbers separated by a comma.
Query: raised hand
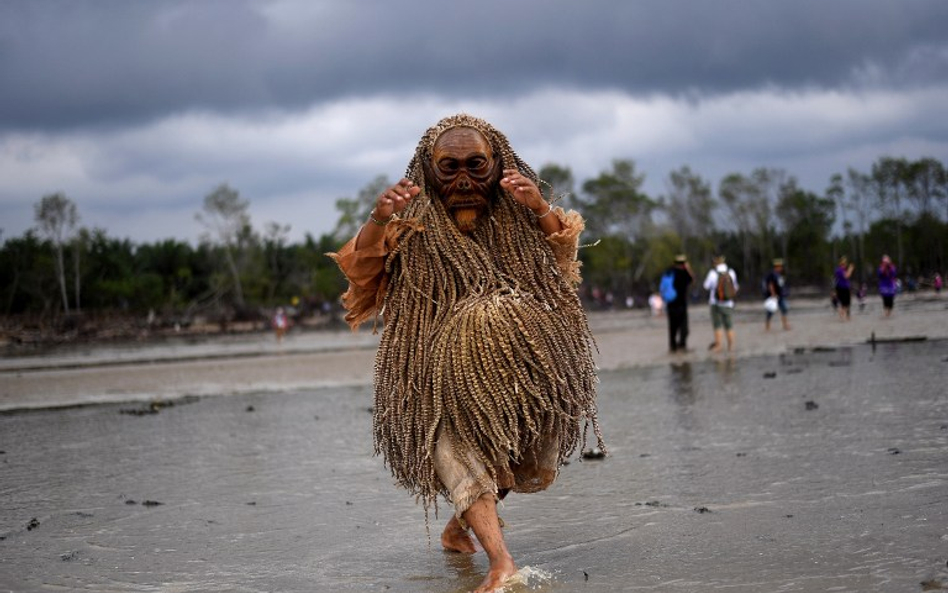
[[523, 190], [394, 199]]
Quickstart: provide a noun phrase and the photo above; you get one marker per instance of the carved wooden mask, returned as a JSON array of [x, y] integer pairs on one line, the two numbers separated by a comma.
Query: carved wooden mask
[[465, 173]]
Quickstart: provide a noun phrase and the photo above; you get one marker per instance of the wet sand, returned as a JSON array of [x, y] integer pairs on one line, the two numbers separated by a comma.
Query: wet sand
[[808, 460]]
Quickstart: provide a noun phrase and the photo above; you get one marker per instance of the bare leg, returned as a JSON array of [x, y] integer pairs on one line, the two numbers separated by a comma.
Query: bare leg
[[482, 517], [716, 346], [455, 538], [786, 324], [730, 340]]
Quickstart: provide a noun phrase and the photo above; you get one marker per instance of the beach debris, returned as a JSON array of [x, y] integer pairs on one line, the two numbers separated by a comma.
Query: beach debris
[[812, 405], [770, 374], [69, 556], [933, 585], [895, 339], [594, 453], [702, 510], [155, 406], [894, 451], [33, 524], [250, 409], [145, 503]]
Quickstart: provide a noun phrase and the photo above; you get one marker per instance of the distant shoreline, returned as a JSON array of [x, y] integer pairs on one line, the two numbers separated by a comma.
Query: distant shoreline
[[218, 364]]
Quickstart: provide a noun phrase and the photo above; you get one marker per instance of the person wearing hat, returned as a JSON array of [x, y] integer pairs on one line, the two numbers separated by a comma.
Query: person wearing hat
[[677, 308], [721, 283], [776, 289]]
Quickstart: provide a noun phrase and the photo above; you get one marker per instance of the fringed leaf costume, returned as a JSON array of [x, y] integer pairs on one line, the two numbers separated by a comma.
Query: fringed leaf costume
[[484, 335]]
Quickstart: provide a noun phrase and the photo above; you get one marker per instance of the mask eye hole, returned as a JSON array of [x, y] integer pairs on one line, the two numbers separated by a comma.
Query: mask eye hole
[[449, 166], [477, 164]]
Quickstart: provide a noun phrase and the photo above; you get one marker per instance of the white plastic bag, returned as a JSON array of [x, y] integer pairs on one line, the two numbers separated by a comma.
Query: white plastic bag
[[771, 304]]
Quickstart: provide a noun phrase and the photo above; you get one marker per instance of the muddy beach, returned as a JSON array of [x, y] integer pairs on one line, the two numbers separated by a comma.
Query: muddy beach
[[809, 460]]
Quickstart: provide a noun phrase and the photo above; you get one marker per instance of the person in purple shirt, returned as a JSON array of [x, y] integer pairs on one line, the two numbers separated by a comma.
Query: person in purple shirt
[[887, 284], [843, 289]]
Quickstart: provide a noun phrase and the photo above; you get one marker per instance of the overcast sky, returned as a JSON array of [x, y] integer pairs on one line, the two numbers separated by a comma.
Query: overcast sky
[[138, 109]]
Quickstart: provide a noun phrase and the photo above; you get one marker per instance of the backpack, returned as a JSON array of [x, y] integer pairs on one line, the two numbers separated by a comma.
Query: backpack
[[667, 287], [725, 288]]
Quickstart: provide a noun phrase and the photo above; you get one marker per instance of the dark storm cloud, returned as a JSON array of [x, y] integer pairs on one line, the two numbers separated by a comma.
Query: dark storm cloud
[[76, 63]]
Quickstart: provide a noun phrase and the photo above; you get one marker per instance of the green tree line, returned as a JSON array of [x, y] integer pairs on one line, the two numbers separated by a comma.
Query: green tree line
[[899, 208]]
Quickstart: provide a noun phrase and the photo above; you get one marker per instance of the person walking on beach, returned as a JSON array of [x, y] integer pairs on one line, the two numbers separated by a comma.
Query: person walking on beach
[[721, 283], [681, 277], [484, 375], [844, 270], [887, 284], [280, 324], [776, 290]]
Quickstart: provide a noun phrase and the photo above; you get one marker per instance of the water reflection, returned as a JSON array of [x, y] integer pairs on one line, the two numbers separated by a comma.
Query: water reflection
[[681, 383]]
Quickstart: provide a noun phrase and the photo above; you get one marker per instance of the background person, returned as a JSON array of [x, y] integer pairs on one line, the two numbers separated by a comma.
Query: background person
[[280, 324], [677, 308], [887, 284], [843, 288], [776, 288], [722, 303]]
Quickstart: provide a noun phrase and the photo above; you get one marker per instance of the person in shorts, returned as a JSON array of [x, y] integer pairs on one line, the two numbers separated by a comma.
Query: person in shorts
[[722, 309]]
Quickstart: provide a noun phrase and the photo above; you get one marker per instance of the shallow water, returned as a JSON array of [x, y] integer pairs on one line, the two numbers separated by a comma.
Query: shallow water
[[720, 477]]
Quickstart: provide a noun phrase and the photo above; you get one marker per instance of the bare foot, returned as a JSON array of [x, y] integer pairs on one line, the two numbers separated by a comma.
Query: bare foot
[[499, 572], [455, 538]]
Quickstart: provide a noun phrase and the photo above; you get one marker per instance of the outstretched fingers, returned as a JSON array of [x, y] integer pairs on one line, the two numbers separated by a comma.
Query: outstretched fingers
[[394, 199], [523, 189]]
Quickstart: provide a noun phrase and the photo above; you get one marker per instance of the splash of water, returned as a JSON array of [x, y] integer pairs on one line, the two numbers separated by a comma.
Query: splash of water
[[528, 576]]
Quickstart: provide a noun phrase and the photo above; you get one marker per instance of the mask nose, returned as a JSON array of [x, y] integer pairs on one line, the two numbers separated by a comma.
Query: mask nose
[[464, 184]]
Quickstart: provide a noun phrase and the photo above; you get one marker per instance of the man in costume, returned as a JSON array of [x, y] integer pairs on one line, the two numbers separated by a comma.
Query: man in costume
[[484, 377]]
